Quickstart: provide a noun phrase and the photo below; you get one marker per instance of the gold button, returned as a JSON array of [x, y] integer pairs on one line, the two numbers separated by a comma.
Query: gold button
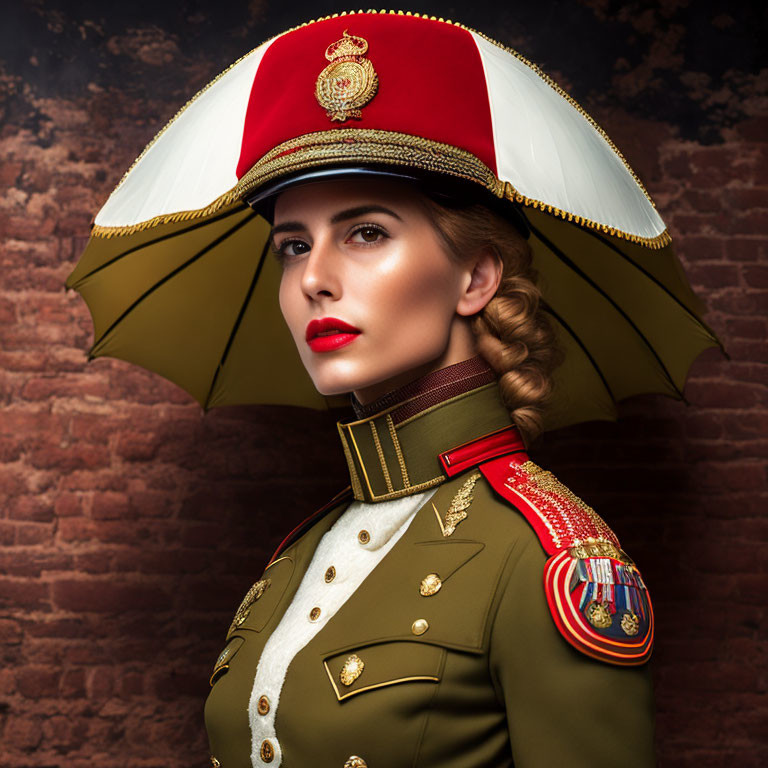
[[363, 537], [420, 626], [215, 763], [330, 574], [430, 585], [314, 614], [263, 705], [355, 762], [352, 669], [267, 751]]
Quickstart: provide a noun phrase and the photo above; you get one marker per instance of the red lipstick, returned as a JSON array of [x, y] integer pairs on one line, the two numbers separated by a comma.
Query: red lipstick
[[329, 333]]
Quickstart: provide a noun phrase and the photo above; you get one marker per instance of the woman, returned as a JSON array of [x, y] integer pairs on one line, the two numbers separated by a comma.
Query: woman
[[409, 626], [409, 167]]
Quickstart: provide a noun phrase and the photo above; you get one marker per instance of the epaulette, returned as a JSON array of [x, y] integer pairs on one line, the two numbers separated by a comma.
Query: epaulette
[[595, 592]]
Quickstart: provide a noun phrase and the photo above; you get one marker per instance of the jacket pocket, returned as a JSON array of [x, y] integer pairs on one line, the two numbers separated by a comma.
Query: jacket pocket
[[225, 657], [390, 663]]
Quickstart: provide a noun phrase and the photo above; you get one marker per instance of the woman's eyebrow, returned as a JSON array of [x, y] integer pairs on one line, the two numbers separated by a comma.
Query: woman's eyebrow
[[361, 210], [350, 213]]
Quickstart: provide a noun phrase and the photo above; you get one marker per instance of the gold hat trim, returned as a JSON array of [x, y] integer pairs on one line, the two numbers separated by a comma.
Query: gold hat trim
[[510, 193]]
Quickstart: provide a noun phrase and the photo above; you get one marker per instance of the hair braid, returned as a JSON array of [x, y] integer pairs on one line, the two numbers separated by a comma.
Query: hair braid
[[513, 331]]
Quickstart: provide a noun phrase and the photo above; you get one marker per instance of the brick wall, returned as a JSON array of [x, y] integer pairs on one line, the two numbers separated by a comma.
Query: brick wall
[[130, 524]]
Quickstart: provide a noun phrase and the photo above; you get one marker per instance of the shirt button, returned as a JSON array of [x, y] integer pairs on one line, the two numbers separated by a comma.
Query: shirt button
[[363, 537], [314, 614], [330, 575], [263, 705], [267, 751]]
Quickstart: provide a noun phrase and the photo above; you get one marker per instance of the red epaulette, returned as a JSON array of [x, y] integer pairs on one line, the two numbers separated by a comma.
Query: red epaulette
[[595, 592]]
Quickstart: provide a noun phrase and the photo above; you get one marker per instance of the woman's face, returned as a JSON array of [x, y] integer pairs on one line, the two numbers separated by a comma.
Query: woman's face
[[368, 291]]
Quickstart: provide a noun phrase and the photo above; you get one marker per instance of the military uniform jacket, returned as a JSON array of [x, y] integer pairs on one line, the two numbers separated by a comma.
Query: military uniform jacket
[[505, 627]]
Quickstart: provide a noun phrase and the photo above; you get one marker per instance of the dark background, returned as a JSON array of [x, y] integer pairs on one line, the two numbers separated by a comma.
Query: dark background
[[131, 524]]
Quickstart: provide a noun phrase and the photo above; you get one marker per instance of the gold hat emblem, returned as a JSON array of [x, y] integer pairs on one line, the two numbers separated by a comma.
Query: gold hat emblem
[[352, 669], [349, 82]]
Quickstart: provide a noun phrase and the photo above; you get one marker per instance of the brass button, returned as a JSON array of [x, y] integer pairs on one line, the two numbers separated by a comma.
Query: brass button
[[420, 626], [263, 705], [355, 762], [430, 585], [314, 614], [267, 751], [215, 763], [363, 537], [330, 574]]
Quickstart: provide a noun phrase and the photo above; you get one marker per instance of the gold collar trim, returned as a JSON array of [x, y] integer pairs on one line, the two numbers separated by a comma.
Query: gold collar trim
[[388, 460]]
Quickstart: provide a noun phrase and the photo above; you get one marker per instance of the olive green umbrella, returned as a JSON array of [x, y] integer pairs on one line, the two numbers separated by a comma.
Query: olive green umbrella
[[179, 278]]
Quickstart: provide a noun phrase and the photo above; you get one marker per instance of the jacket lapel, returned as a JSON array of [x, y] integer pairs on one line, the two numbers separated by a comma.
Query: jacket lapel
[[389, 600]]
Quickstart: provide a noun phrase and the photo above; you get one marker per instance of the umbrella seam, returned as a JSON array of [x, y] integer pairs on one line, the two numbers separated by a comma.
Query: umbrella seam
[[165, 279], [578, 271]]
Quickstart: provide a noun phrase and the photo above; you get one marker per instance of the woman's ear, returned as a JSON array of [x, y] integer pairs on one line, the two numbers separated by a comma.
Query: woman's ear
[[484, 274]]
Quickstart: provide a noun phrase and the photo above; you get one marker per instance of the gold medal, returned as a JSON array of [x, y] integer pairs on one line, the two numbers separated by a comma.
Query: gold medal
[[599, 616], [630, 624]]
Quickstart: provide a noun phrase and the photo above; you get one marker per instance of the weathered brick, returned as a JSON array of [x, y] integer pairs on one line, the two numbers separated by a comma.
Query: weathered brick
[[23, 732], [34, 533], [29, 507], [111, 505], [756, 276], [107, 596], [38, 682], [23, 593]]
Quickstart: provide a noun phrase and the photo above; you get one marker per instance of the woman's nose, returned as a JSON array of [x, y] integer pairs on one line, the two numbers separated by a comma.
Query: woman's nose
[[321, 271]]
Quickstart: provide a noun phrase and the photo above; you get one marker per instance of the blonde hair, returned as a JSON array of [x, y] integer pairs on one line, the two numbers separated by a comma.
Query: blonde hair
[[513, 331]]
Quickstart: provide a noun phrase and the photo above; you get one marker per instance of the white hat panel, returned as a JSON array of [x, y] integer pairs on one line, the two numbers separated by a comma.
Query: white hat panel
[[548, 151], [193, 161]]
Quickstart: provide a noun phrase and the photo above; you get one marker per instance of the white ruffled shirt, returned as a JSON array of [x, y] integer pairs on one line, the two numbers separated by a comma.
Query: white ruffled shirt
[[342, 548]]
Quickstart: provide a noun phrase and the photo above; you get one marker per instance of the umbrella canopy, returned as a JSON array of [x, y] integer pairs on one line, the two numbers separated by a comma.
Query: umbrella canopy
[[179, 278]]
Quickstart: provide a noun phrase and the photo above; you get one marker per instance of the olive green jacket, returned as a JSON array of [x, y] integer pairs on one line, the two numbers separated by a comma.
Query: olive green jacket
[[489, 682]]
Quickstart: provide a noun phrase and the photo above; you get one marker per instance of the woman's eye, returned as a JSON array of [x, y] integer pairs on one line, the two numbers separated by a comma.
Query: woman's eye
[[292, 248], [368, 234]]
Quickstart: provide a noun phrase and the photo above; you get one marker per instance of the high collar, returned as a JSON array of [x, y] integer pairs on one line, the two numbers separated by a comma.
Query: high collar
[[418, 436]]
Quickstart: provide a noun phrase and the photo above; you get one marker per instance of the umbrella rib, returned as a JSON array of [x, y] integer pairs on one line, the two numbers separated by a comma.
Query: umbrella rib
[[157, 240], [238, 320], [655, 281], [166, 278], [569, 263], [584, 349]]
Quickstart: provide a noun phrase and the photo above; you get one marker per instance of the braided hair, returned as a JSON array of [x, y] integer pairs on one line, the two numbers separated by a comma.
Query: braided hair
[[513, 331]]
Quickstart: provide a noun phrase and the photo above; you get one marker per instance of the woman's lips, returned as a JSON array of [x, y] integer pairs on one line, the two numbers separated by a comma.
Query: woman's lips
[[329, 333]]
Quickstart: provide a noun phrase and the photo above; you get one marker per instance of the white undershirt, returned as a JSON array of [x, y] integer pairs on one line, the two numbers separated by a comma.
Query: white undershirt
[[341, 548]]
